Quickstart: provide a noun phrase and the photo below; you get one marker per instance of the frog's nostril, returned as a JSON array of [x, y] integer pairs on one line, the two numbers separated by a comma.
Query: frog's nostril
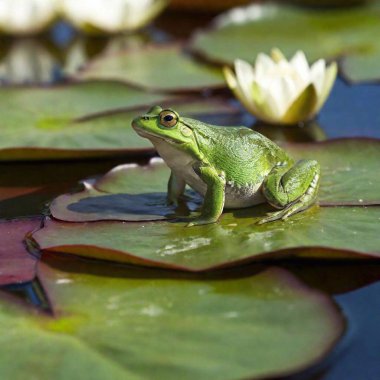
[[145, 117]]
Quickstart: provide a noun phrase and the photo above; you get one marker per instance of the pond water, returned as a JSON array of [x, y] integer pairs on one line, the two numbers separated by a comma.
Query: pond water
[[351, 111]]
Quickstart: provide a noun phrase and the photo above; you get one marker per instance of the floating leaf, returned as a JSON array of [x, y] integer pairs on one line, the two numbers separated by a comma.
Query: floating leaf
[[41, 123], [161, 67], [319, 33], [151, 325], [82, 120], [327, 232], [347, 170], [44, 354], [360, 68], [131, 192], [17, 265]]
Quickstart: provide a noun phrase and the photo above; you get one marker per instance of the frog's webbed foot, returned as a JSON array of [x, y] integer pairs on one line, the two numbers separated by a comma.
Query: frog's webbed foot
[[284, 213], [272, 216]]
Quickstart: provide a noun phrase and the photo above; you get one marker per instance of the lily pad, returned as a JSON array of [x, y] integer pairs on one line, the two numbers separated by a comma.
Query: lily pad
[[38, 123], [81, 120], [131, 192], [45, 354], [160, 67], [17, 265], [348, 166], [151, 325], [128, 192], [327, 232], [361, 68], [320, 33]]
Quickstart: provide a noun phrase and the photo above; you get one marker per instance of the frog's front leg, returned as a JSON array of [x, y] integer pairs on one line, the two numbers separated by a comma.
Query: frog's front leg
[[291, 189], [176, 188], [215, 195]]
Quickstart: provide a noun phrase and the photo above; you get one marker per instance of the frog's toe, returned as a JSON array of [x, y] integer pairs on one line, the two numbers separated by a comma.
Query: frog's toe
[[273, 216]]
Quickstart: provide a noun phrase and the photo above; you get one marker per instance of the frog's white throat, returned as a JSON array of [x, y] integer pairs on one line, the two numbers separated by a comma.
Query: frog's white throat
[[171, 153]]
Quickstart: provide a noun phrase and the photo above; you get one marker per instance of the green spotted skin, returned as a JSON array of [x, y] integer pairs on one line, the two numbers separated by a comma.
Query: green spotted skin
[[232, 167]]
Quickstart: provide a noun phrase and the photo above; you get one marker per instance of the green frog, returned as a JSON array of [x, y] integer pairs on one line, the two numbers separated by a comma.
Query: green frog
[[231, 167]]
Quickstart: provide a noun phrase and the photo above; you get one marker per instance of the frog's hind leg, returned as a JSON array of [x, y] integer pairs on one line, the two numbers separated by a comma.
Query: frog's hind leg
[[291, 189]]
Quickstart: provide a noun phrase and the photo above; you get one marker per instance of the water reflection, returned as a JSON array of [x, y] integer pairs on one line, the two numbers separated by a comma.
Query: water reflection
[[48, 58], [84, 48], [27, 60]]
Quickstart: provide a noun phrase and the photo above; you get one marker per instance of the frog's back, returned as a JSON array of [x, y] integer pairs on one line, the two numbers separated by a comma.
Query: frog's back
[[244, 155]]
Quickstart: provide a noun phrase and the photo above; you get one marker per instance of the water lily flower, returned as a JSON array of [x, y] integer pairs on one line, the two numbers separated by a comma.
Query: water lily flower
[[279, 91], [110, 16], [26, 16]]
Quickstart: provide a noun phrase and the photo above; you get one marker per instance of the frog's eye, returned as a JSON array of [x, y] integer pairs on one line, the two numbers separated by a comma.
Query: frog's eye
[[168, 119]]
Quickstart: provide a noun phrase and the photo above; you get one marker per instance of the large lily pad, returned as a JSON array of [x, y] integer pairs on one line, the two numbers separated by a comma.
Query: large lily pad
[[131, 192], [327, 233], [16, 264], [161, 67], [54, 122], [319, 33], [146, 324], [82, 120]]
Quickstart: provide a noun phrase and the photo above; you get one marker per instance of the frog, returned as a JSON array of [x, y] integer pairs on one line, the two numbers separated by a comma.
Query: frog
[[232, 167]]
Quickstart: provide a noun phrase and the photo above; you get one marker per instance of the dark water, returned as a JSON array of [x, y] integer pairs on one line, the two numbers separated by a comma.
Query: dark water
[[350, 111], [360, 358]]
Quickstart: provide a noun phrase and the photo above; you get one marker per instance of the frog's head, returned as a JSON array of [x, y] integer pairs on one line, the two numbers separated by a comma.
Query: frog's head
[[167, 126]]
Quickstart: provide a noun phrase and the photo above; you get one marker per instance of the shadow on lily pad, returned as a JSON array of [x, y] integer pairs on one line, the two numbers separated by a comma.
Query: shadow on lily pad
[[146, 204]]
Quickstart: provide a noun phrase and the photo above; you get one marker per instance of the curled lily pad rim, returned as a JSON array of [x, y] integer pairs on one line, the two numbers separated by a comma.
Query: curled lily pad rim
[[18, 256], [184, 49]]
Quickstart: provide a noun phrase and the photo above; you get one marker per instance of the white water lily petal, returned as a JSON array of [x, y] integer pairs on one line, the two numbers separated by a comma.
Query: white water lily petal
[[317, 73], [25, 17], [277, 55], [280, 91], [303, 106], [329, 80], [27, 61], [234, 86], [111, 16], [266, 104], [244, 76], [263, 65], [301, 66], [277, 94]]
